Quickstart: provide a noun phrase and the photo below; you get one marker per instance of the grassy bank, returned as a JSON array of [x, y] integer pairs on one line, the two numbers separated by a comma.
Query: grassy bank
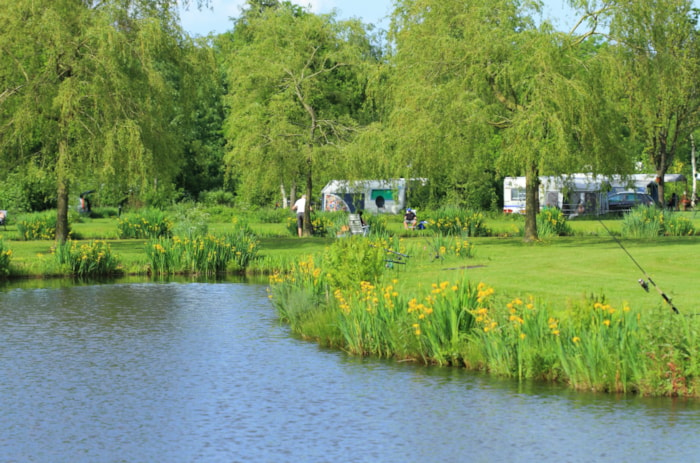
[[566, 309]]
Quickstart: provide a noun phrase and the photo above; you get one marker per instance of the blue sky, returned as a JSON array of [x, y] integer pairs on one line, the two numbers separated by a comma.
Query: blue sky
[[370, 11]]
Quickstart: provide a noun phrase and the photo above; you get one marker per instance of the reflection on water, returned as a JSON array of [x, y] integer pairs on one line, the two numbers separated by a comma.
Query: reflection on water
[[204, 372]]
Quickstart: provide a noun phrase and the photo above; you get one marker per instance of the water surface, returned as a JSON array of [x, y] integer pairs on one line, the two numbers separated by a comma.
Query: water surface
[[144, 372]]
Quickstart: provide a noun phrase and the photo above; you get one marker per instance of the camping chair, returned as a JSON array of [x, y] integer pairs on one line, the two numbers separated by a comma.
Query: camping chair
[[356, 227], [3, 219]]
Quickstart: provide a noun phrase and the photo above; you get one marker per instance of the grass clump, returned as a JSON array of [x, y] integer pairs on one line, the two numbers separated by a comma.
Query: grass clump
[[207, 255], [149, 223], [90, 259], [37, 226]]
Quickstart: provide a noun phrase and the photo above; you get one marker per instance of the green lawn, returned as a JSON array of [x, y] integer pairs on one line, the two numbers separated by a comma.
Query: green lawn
[[559, 270]]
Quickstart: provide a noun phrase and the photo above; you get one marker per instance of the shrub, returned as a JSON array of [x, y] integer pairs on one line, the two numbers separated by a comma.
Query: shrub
[[270, 215], [89, 259], [149, 223], [190, 221], [351, 260], [217, 198]]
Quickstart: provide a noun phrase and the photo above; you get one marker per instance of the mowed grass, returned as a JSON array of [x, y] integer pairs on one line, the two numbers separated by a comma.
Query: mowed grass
[[559, 271]]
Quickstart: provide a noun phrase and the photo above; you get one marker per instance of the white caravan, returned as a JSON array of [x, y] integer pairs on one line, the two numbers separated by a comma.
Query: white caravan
[[577, 193]]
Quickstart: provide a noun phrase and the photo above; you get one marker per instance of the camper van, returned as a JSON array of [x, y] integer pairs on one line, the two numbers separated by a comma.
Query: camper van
[[578, 194], [374, 196]]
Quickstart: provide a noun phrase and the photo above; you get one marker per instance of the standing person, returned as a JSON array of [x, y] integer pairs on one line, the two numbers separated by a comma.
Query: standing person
[[300, 207]]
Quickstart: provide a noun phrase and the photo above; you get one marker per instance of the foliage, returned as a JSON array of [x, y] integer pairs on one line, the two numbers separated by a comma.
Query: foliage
[[190, 220], [96, 89], [217, 198], [296, 92], [654, 63], [322, 224], [593, 347], [650, 222], [456, 222], [148, 223], [351, 260], [551, 221], [94, 258], [298, 295], [206, 255], [27, 190], [377, 224], [37, 226], [5, 257]]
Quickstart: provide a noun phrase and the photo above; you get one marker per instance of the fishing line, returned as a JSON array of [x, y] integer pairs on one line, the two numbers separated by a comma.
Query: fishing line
[[642, 282]]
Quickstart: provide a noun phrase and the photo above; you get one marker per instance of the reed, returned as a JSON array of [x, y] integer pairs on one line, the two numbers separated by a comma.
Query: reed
[[37, 226], [593, 346], [457, 222], [93, 258], [149, 223], [208, 255]]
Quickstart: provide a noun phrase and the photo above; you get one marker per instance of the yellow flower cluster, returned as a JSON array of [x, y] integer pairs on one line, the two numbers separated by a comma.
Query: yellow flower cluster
[[421, 311], [464, 248], [553, 326], [342, 302], [483, 292]]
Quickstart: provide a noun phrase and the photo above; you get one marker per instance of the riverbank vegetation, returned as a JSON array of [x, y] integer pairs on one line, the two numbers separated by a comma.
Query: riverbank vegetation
[[566, 309], [459, 319]]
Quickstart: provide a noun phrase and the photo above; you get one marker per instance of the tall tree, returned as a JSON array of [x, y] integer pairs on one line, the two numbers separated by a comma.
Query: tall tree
[[656, 54], [295, 90], [88, 88], [481, 71]]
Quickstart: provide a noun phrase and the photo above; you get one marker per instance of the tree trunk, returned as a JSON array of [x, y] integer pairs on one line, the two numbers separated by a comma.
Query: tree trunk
[[62, 194], [283, 192], [293, 194], [308, 231], [695, 170], [532, 186]]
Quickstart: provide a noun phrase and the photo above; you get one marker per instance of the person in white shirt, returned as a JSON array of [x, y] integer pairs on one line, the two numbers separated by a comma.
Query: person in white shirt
[[300, 207]]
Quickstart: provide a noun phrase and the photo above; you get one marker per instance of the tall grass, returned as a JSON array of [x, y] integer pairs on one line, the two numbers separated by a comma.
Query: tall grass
[[651, 222], [593, 346], [37, 226], [457, 222], [206, 255], [148, 223], [94, 258], [552, 222]]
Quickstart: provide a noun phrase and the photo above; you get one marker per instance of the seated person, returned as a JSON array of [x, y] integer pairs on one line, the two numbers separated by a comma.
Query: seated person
[[410, 219]]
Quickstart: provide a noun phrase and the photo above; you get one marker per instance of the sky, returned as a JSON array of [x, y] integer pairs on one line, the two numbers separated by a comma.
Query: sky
[[369, 11]]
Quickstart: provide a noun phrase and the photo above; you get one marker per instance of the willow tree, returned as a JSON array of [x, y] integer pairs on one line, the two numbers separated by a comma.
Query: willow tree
[[90, 89], [656, 54], [295, 89], [473, 73]]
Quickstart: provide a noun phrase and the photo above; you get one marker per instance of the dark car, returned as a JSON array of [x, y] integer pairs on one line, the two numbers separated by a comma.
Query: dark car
[[623, 202]]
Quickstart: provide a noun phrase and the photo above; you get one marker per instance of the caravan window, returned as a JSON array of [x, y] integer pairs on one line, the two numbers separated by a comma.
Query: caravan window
[[386, 194], [517, 194]]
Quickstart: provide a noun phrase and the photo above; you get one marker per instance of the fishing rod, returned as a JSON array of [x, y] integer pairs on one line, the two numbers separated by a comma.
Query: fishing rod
[[642, 282]]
